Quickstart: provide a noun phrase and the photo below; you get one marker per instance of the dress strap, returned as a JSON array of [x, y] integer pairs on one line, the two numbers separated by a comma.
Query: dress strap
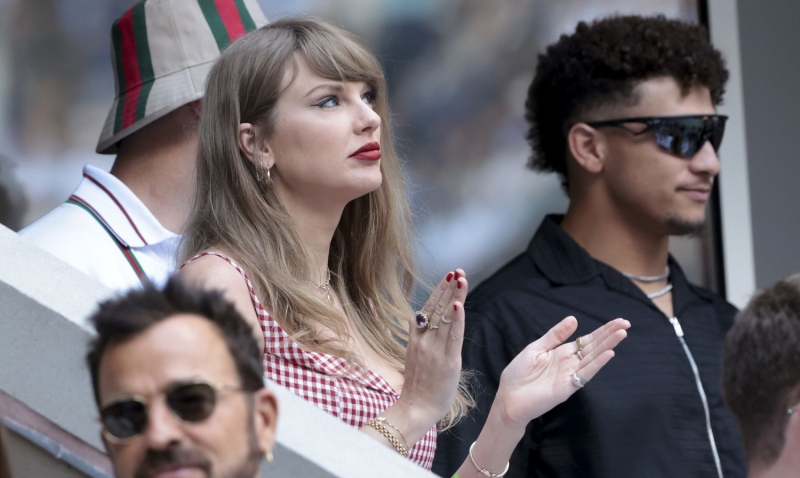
[[259, 308]]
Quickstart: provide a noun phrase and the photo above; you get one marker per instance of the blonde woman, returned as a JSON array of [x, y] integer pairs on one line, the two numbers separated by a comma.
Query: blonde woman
[[301, 219]]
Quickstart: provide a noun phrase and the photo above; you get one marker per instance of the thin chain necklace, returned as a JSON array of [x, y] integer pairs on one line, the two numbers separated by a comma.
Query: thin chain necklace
[[660, 277], [648, 278], [326, 286]]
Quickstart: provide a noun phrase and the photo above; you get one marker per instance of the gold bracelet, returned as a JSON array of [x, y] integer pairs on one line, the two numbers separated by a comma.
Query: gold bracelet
[[386, 422], [389, 436], [484, 471]]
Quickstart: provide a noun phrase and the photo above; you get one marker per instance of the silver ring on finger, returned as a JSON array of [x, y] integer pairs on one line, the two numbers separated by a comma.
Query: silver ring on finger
[[433, 327], [421, 320], [576, 380]]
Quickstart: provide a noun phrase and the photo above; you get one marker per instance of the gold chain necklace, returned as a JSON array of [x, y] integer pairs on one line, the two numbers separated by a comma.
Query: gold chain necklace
[[326, 286]]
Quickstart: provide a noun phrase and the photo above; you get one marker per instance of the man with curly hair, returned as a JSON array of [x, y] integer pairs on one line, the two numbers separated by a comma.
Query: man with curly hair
[[623, 110]]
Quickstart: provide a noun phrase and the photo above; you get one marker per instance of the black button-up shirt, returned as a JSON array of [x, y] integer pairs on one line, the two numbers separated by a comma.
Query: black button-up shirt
[[642, 415]]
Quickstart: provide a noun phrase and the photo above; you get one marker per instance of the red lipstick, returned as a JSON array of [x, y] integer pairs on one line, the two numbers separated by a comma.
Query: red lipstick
[[369, 152]]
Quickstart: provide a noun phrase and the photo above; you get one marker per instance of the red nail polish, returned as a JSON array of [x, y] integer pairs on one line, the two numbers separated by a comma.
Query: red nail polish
[[449, 276], [455, 307], [456, 275], [459, 284]]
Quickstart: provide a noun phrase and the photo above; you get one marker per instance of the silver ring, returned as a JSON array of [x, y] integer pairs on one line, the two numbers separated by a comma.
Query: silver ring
[[433, 327], [422, 320], [576, 380]]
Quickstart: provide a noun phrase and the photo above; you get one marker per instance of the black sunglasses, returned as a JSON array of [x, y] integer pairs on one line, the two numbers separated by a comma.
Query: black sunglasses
[[191, 402], [679, 135]]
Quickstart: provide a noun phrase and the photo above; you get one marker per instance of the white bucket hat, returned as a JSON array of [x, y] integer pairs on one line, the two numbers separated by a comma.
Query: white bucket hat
[[162, 51]]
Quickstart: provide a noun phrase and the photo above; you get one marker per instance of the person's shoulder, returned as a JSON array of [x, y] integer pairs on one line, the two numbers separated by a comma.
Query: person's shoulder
[[511, 276], [63, 219], [69, 233], [510, 301], [518, 277], [725, 311], [212, 271]]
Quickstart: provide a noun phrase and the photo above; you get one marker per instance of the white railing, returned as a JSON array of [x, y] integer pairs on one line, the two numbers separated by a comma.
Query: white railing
[[44, 304]]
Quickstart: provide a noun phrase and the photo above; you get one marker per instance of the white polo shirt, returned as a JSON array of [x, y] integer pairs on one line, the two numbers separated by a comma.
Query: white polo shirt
[[131, 239]]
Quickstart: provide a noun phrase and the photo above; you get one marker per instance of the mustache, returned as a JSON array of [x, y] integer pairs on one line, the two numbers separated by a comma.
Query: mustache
[[172, 456]]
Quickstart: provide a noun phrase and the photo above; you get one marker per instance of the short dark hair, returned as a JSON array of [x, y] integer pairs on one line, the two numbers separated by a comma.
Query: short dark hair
[[123, 318], [599, 65], [761, 368]]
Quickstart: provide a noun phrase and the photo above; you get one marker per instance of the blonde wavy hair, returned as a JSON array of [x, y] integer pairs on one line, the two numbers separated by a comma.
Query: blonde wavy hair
[[371, 261]]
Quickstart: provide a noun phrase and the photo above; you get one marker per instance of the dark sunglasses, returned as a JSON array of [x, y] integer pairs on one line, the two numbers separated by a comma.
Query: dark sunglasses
[[679, 135], [191, 402]]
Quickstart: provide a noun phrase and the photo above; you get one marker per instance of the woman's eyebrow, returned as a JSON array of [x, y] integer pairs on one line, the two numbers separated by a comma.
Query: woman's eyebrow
[[329, 86]]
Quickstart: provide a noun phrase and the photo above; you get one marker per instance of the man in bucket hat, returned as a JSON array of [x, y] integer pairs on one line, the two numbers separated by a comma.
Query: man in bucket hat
[[122, 227]]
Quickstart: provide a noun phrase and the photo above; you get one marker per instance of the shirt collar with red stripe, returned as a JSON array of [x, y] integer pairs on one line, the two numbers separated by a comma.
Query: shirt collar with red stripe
[[119, 208]]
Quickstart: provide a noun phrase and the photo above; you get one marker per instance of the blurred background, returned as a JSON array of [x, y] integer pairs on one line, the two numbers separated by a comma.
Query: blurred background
[[458, 73]]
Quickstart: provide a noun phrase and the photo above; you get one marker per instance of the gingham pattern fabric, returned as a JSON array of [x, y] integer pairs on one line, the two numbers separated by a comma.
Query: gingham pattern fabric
[[162, 51], [354, 395]]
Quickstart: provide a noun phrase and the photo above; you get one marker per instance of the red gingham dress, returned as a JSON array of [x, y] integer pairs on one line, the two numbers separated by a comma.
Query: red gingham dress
[[354, 397]]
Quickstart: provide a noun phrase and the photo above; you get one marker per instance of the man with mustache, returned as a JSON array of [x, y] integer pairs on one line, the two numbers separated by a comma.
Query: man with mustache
[[177, 376], [623, 110]]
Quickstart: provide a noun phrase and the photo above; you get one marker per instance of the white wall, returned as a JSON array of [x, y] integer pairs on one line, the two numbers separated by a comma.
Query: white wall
[[737, 237]]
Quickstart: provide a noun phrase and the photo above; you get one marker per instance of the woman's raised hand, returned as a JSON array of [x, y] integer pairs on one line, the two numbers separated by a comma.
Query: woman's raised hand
[[541, 376], [433, 356]]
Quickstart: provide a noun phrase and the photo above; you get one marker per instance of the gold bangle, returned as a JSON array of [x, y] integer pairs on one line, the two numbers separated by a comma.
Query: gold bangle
[[386, 422], [389, 436]]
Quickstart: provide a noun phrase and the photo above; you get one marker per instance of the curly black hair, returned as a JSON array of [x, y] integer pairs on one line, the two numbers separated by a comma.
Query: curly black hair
[[600, 64]]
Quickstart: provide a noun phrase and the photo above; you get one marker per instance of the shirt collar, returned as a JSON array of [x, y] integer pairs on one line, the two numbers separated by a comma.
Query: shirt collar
[[558, 256], [563, 262], [118, 207]]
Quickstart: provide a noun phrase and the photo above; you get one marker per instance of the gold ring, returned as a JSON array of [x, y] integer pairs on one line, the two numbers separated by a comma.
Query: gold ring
[[433, 327], [580, 354], [578, 342]]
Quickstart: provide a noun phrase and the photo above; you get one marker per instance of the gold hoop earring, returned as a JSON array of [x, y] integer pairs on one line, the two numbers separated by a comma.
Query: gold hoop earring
[[262, 174], [269, 457]]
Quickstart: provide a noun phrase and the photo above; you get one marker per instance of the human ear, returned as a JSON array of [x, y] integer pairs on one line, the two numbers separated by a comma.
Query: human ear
[[196, 107], [265, 408], [587, 146], [258, 154]]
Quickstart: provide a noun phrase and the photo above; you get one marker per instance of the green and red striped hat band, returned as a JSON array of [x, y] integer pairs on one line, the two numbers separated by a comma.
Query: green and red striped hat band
[[162, 51]]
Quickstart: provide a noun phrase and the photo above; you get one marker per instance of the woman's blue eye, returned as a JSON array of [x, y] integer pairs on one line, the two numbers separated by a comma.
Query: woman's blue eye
[[328, 102], [369, 98], [333, 100]]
